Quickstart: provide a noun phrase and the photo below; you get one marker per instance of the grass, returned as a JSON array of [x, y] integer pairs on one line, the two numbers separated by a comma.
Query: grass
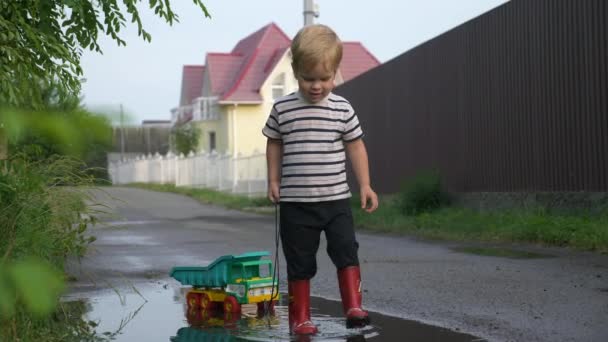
[[501, 252], [40, 225], [207, 196], [66, 324], [535, 226]]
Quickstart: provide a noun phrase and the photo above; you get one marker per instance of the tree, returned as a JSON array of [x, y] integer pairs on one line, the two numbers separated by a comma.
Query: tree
[[186, 139], [41, 41]]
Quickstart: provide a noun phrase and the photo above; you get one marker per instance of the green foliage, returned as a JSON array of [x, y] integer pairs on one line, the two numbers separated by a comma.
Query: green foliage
[[41, 41], [185, 138], [387, 218], [423, 193], [20, 282], [37, 216], [43, 220], [41, 224], [66, 324], [40, 135], [37, 135]]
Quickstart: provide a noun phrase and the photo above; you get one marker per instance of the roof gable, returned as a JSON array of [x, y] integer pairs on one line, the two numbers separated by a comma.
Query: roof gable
[[192, 83], [259, 49], [222, 69]]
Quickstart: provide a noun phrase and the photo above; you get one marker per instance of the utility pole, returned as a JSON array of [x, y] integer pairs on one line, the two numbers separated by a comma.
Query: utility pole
[[311, 12]]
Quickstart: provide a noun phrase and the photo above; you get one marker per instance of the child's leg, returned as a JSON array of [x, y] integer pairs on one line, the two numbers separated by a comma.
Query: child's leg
[[300, 235], [342, 248]]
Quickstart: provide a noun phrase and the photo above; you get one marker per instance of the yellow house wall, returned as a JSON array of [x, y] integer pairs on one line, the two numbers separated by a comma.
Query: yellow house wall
[[220, 127], [249, 121], [246, 125]]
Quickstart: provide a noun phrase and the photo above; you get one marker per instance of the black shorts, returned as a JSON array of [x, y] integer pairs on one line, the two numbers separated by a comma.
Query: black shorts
[[301, 226]]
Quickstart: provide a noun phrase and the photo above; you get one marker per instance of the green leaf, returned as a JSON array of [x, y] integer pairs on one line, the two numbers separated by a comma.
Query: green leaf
[[7, 295], [38, 285]]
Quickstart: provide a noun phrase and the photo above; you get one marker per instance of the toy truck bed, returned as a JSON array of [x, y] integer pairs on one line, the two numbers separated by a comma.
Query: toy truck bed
[[229, 281]]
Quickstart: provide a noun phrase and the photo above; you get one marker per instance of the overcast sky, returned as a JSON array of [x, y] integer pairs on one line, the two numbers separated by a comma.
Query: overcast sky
[[146, 77]]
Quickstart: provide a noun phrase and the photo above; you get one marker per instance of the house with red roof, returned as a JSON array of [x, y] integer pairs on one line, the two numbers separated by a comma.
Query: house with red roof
[[230, 96]]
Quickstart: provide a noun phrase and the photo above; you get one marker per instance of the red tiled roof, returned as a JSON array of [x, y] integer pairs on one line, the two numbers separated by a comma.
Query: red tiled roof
[[222, 69], [356, 59], [192, 83], [238, 75]]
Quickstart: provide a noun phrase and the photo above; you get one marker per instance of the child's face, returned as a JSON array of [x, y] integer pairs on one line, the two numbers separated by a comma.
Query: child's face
[[315, 84]]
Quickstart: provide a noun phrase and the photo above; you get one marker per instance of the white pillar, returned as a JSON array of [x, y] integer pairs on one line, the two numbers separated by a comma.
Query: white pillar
[[310, 12], [234, 148]]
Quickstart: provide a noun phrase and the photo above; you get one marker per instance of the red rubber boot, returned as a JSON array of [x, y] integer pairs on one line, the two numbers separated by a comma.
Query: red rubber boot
[[349, 279], [299, 308]]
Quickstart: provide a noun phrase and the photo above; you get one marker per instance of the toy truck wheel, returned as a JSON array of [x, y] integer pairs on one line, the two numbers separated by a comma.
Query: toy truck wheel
[[193, 299], [206, 303], [231, 319], [231, 305], [194, 316]]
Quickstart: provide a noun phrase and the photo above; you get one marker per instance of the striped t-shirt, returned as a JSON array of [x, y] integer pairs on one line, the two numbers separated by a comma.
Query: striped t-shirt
[[314, 161]]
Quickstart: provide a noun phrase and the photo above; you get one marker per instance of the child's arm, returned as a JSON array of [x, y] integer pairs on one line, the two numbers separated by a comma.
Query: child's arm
[[274, 149], [358, 156]]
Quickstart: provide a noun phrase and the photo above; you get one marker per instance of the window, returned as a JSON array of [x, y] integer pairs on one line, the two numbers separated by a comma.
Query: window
[[278, 86], [206, 108], [211, 141]]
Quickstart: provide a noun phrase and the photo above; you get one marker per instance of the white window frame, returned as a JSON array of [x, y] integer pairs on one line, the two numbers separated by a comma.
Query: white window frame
[[205, 108], [278, 84]]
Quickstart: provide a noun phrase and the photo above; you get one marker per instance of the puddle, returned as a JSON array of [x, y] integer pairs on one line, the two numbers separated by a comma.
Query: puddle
[[158, 313]]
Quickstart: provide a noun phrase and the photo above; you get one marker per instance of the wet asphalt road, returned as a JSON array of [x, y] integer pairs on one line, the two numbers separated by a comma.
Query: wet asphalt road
[[559, 298]]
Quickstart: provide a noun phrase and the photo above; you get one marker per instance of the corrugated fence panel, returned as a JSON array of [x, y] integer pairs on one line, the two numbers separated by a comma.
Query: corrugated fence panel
[[513, 100]]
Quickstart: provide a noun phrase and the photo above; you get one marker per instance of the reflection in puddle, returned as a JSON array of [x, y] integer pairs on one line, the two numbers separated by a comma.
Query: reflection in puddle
[[159, 313], [249, 326]]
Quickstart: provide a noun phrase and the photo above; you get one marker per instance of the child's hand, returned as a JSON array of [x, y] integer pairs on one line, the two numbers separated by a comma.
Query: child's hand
[[273, 192], [369, 199]]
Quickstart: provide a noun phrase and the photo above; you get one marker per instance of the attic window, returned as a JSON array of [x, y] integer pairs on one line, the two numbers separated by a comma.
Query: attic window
[[278, 86]]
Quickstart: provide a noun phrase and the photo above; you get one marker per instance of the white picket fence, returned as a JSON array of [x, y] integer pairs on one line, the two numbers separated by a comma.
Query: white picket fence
[[241, 175]]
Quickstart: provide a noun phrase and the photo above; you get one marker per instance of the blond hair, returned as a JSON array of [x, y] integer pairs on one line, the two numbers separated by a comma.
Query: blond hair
[[315, 44]]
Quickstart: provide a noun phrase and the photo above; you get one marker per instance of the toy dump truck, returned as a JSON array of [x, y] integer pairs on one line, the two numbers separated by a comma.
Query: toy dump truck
[[230, 281]]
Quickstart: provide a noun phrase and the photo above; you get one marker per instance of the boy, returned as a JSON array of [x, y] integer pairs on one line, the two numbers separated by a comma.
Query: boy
[[308, 134]]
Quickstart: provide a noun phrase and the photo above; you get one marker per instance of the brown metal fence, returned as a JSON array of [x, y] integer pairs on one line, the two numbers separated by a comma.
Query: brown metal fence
[[513, 100]]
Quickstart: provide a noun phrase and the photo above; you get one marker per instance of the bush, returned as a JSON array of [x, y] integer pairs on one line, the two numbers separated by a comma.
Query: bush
[[41, 224], [185, 139], [423, 193], [38, 136]]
